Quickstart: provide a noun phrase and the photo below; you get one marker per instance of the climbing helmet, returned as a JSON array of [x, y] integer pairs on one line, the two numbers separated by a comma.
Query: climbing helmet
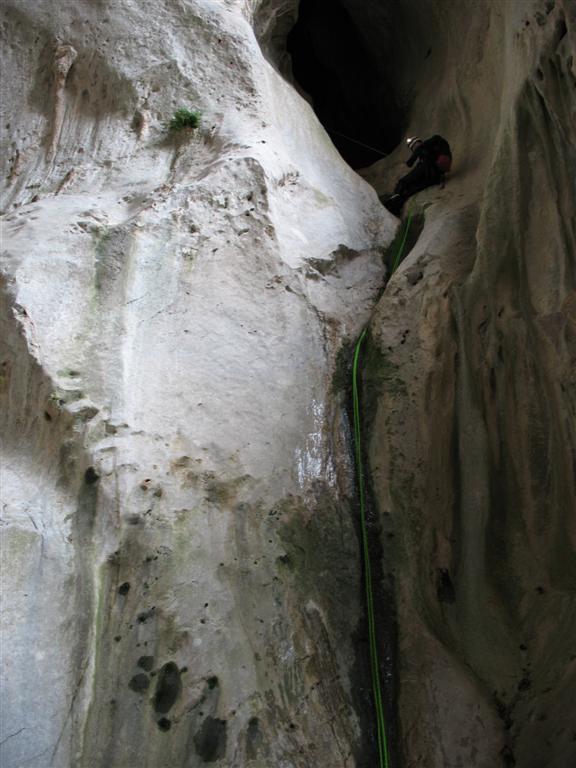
[[412, 142]]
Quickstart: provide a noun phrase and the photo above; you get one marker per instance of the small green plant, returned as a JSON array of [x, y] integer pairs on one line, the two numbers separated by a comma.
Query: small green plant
[[184, 118]]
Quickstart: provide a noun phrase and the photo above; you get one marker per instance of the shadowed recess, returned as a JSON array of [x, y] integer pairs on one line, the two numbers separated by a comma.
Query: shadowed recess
[[351, 81]]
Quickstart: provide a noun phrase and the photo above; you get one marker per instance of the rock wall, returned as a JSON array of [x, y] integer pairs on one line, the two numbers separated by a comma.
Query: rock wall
[[181, 573], [178, 538], [472, 380]]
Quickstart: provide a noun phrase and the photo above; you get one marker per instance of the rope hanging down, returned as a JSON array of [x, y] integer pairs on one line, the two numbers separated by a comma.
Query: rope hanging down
[[383, 757], [400, 251]]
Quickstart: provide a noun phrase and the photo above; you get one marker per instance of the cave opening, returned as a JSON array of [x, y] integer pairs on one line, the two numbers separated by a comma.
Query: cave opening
[[343, 54]]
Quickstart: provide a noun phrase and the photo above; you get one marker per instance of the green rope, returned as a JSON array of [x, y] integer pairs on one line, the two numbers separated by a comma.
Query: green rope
[[402, 244], [383, 759], [374, 662]]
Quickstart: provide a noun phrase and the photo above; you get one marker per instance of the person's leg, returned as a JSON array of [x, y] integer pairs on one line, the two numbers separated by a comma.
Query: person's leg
[[415, 182], [394, 204], [412, 181], [419, 178]]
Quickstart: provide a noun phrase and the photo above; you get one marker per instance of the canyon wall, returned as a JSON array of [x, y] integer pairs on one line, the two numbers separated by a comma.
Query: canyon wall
[[181, 574], [472, 383]]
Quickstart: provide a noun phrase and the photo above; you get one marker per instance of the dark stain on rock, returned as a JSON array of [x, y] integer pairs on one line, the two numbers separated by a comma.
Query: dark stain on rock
[[504, 712], [210, 741], [143, 617], [253, 739], [164, 724], [285, 560], [91, 476], [145, 662], [139, 683], [509, 761], [525, 684], [444, 586], [168, 688]]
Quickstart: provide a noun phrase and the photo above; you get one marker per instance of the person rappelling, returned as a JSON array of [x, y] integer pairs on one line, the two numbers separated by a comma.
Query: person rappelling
[[433, 159]]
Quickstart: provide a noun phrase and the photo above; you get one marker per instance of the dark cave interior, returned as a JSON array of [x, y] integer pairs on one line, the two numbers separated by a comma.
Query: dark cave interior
[[349, 79]]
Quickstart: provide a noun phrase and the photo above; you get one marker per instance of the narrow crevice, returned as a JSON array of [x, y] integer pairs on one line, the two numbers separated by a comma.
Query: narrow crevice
[[374, 374], [351, 85], [361, 689]]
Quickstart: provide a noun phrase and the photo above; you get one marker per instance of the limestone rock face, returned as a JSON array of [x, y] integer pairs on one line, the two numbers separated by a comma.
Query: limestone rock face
[[471, 377], [181, 575]]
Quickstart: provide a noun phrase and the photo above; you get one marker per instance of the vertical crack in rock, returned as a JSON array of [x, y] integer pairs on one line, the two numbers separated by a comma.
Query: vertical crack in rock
[[64, 57]]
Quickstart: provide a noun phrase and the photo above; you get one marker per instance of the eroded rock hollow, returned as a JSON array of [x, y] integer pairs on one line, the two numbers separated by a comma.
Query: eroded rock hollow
[[182, 579]]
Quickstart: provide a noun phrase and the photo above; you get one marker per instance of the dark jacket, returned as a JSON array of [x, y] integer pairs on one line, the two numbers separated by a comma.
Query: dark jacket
[[429, 151]]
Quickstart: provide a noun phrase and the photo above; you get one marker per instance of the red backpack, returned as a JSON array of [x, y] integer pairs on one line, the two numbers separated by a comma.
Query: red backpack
[[444, 163]]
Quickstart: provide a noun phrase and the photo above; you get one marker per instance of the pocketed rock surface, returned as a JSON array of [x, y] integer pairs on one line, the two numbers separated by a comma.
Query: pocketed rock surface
[[181, 575], [178, 545], [472, 386]]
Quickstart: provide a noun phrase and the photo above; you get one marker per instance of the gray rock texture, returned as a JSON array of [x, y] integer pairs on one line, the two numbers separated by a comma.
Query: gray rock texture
[[181, 575], [471, 381], [178, 542]]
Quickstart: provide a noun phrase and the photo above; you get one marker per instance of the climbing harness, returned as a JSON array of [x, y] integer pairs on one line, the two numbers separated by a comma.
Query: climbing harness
[[383, 757], [355, 141]]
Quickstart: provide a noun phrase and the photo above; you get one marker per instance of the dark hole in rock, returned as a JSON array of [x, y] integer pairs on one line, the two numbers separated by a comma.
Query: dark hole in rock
[[492, 381], [508, 757], [139, 683], [254, 740], [444, 586], [91, 476], [210, 741], [504, 712], [124, 588], [47, 416], [143, 617], [164, 724], [212, 682], [285, 560], [145, 662], [168, 688], [561, 30], [343, 57], [525, 684]]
